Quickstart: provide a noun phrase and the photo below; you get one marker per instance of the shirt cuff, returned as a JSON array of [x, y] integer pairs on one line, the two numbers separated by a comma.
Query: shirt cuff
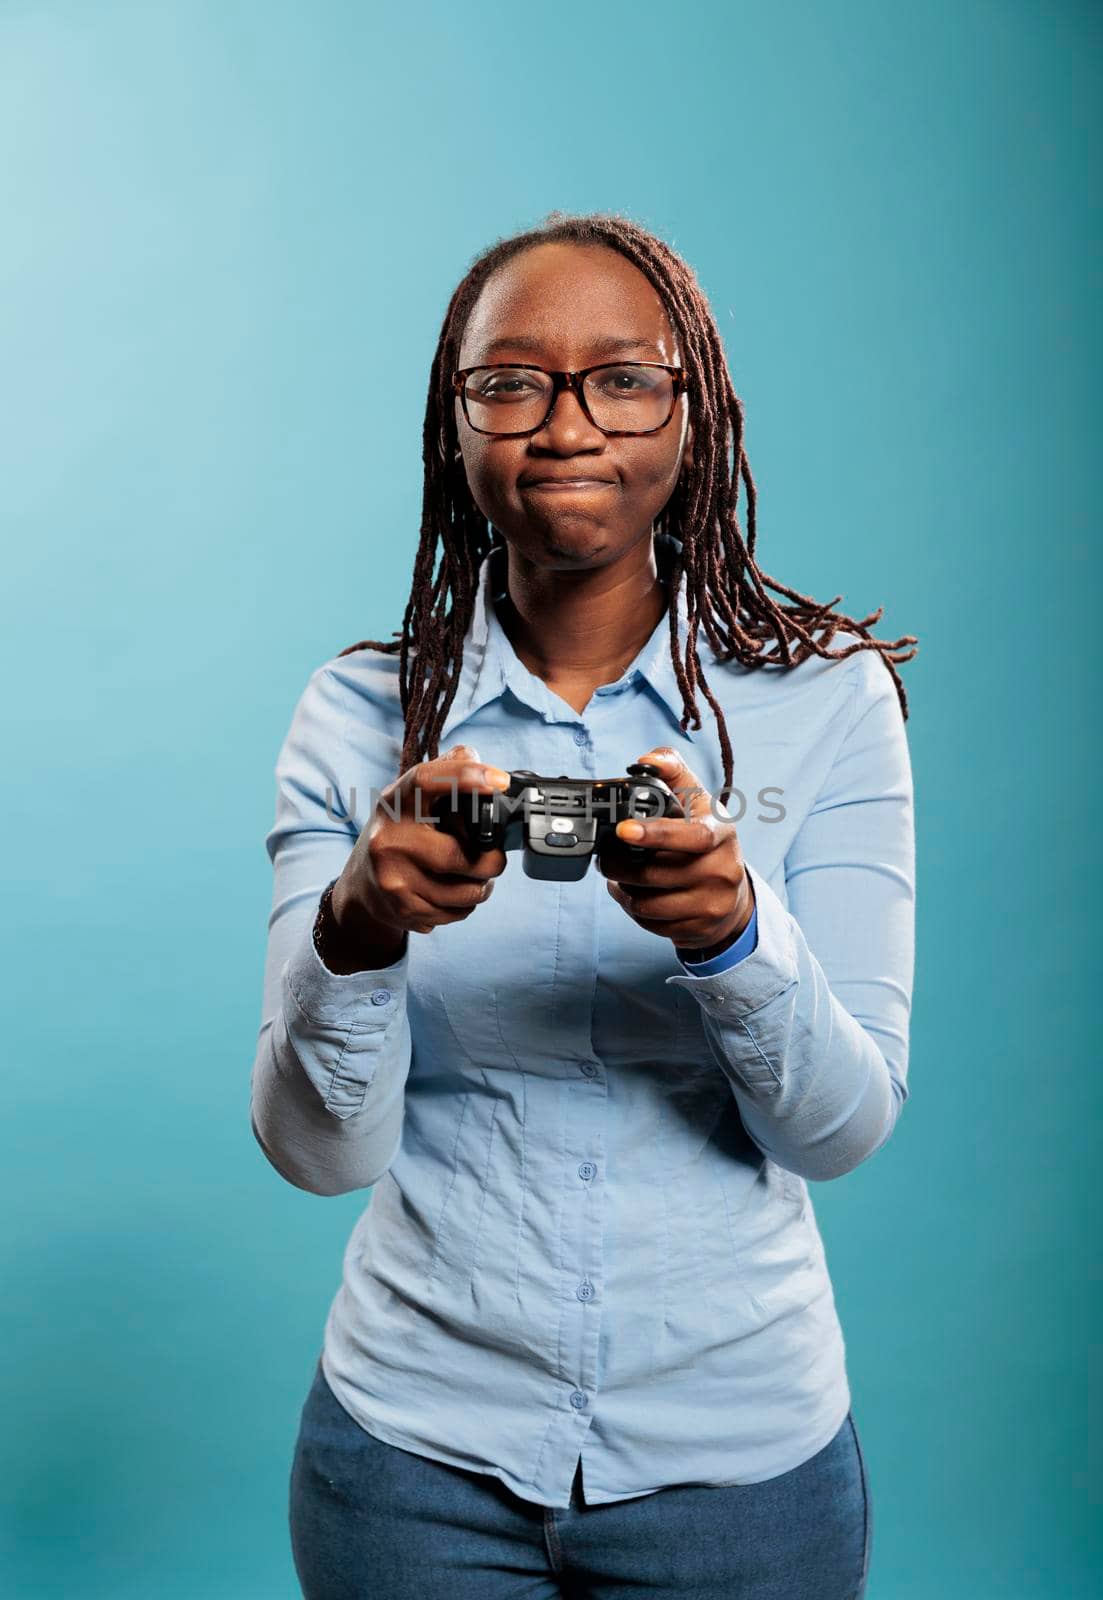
[[739, 951], [758, 978], [365, 1000]]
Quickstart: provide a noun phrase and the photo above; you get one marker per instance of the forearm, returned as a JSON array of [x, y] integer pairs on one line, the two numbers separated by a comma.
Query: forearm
[[818, 1090], [349, 941], [328, 1081]]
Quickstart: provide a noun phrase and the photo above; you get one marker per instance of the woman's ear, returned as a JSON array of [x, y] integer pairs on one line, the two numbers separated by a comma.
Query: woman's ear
[[442, 450]]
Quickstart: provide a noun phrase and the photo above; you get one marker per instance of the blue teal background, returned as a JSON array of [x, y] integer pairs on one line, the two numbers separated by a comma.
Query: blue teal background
[[230, 232]]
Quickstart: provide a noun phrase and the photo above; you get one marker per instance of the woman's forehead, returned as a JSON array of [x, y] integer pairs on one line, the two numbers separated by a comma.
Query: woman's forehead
[[589, 300]]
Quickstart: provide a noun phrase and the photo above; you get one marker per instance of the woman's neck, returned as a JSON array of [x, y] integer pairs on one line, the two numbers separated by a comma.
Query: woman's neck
[[578, 630]]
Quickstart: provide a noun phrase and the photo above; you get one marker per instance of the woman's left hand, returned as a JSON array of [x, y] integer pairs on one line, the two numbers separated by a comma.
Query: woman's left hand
[[693, 887]]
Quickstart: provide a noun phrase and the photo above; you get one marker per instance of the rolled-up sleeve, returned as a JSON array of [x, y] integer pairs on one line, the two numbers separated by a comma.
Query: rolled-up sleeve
[[333, 1051], [811, 1028]]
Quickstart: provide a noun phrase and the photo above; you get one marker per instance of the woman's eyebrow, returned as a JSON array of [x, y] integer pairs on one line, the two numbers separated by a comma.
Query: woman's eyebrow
[[599, 347]]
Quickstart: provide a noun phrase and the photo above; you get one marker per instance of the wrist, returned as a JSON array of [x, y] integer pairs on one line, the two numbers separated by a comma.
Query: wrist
[[347, 940], [706, 952], [735, 933]]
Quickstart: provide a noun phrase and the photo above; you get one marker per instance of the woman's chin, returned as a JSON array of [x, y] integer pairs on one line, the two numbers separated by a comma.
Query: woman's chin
[[562, 543], [581, 549]]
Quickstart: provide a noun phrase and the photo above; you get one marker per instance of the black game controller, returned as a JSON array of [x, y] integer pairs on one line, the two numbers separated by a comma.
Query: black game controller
[[557, 822]]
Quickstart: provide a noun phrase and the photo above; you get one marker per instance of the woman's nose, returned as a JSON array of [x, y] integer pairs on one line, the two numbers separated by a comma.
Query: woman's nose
[[567, 422]]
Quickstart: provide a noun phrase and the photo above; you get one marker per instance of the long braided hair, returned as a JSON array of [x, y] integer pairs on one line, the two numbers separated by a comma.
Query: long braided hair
[[726, 588]]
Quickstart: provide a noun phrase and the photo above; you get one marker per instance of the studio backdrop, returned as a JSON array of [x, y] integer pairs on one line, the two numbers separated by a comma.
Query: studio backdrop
[[230, 232]]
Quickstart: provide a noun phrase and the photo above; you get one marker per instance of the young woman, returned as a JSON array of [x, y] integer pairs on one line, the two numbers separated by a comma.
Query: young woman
[[586, 1342]]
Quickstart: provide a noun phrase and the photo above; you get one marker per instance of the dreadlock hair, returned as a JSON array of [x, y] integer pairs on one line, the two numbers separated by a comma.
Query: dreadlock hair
[[726, 588]]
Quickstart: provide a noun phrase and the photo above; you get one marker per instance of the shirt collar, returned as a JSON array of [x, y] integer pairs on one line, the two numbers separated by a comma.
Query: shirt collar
[[491, 667]]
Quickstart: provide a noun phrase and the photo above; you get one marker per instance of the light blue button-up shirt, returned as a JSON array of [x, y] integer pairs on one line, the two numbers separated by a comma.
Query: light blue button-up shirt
[[590, 1232]]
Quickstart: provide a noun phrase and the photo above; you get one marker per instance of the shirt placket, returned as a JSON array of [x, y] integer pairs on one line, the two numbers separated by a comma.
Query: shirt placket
[[586, 1154], [581, 1273]]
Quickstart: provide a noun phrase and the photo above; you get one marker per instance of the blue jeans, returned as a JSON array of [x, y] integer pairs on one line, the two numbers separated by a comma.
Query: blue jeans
[[372, 1522]]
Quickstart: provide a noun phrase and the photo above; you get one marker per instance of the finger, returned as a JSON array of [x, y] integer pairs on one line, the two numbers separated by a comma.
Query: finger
[[435, 780], [454, 894], [445, 854], [691, 793], [672, 833], [462, 769], [423, 918], [445, 899], [664, 869], [655, 907]]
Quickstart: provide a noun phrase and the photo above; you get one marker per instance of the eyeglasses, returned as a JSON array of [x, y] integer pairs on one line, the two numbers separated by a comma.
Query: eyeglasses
[[618, 397]]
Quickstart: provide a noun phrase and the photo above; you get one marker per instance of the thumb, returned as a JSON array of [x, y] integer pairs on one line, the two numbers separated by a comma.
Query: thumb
[[692, 796]]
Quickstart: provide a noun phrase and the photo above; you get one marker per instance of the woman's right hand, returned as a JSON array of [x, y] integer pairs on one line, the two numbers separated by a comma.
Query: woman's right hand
[[405, 874]]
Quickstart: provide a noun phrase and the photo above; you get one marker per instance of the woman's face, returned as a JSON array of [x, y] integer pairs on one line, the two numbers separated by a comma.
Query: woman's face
[[562, 306]]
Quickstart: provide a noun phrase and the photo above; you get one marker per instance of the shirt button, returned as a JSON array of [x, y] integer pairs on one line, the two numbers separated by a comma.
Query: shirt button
[[589, 1069], [580, 736], [379, 997], [587, 1170], [578, 1400], [585, 1290]]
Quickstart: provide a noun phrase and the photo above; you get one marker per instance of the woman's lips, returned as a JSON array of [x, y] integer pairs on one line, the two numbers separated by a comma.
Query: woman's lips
[[569, 485]]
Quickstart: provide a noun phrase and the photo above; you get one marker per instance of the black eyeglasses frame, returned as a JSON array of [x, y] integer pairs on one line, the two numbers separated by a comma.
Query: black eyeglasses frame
[[574, 382]]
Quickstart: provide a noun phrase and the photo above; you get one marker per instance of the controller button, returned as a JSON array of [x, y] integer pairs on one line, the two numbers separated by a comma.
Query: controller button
[[561, 840]]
